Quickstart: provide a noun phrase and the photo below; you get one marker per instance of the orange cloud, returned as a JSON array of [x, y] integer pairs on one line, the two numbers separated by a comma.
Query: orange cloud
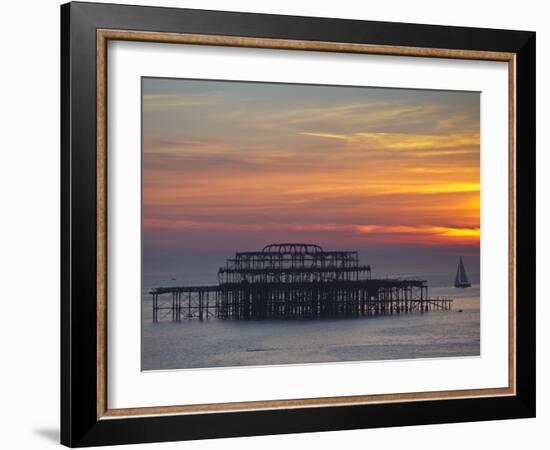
[[424, 234], [387, 167]]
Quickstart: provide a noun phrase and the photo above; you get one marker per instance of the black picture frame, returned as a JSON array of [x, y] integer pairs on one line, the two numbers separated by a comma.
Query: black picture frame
[[80, 425]]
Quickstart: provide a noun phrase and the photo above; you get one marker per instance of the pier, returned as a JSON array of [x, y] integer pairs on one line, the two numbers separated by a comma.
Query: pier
[[295, 281]]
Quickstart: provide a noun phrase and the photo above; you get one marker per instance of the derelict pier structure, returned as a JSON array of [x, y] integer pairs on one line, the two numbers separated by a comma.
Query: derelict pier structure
[[286, 281]]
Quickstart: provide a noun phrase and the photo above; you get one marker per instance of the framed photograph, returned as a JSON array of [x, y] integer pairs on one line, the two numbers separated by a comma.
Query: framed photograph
[[277, 224]]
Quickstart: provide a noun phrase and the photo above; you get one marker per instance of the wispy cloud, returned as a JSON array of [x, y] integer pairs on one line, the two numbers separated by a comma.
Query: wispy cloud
[[229, 161], [166, 102], [467, 142]]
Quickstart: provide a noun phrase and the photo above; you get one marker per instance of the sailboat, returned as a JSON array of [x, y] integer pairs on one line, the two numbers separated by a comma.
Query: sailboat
[[461, 279]]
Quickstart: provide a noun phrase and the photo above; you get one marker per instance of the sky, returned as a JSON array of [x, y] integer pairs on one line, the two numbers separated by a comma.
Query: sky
[[233, 166]]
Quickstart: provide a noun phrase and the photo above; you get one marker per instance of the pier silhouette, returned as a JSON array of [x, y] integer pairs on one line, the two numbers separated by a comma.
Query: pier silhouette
[[295, 281]]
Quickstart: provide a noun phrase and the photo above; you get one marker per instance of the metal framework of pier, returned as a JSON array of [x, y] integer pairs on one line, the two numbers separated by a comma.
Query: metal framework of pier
[[285, 281]]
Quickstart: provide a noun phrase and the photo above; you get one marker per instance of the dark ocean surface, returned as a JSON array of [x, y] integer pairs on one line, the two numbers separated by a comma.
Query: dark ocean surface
[[216, 343]]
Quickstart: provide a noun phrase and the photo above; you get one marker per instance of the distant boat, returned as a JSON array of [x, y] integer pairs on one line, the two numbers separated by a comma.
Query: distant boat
[[461, 279]]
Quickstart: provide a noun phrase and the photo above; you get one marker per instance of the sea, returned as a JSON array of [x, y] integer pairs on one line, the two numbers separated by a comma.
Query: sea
[[193, 344]]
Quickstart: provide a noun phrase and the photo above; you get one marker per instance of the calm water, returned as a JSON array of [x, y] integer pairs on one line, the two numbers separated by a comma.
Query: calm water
[[215, 343]]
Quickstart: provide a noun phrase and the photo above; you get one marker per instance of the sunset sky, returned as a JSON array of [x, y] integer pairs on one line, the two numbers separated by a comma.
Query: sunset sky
[[233, 166]]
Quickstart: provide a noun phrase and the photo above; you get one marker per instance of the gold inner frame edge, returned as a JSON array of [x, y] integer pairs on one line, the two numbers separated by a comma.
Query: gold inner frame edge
[[103, 36]]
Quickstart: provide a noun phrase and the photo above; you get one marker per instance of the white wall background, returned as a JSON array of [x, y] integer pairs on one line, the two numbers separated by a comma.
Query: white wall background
[[29, 226]]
